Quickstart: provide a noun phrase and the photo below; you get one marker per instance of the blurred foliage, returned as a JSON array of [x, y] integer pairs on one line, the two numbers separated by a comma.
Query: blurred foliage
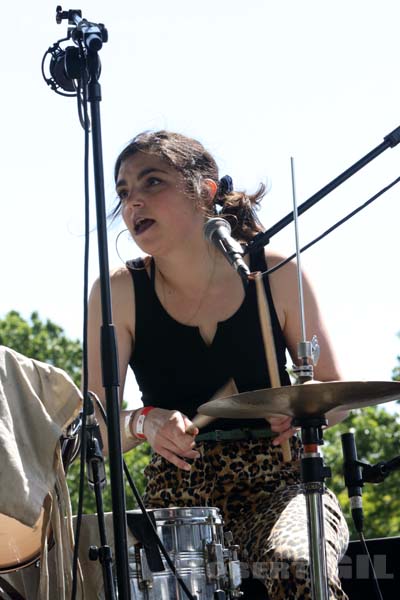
[[136, 460], [377, 435], [42, 340]]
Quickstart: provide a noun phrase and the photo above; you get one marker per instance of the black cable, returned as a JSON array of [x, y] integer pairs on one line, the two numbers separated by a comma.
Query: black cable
[[378, 592], [82, 108], [81, 491], [144, 511], [335, 226]]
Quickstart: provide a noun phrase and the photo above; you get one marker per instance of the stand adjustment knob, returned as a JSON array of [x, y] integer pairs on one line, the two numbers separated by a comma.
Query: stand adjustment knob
[[93, 553]]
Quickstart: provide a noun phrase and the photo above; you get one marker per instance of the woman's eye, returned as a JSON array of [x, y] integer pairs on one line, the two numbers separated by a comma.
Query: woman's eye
[[153, 181], [122, 195]]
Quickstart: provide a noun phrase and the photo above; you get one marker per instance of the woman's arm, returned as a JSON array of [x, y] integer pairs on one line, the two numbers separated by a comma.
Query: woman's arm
[[284, 288], [123, 319]]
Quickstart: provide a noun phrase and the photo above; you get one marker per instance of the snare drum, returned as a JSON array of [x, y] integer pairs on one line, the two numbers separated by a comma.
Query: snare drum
[[194, 540]]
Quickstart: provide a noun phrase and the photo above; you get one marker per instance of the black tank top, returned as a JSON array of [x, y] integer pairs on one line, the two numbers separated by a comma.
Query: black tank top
[[175, 369]]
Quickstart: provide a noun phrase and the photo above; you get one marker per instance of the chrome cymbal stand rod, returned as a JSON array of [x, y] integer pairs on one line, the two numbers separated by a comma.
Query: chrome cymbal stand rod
[[313, 473], [298, 255], [307, 352]]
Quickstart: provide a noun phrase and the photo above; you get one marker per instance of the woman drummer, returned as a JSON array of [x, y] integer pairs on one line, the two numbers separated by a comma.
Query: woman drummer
[[186, 327]]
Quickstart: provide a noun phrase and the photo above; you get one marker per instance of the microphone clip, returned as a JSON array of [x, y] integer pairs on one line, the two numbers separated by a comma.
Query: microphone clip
[[96, 473], [92, 35], [377, 473]]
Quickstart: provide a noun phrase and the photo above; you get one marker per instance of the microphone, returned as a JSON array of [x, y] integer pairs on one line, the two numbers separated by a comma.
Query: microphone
[[217, 231], [353, 479]]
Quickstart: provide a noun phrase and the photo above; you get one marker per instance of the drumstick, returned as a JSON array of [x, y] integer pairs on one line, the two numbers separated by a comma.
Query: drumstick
[[229, 389], [269, 346], [199, 421]]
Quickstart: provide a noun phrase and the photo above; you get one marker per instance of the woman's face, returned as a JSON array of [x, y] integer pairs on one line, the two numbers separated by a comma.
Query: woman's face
[[158, 212]]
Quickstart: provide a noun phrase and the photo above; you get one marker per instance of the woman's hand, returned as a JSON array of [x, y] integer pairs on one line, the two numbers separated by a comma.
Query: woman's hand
[[282, 426], [165, 430]]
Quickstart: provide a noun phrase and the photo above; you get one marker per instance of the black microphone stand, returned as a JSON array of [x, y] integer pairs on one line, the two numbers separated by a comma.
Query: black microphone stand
[[90, 37], [356, 473], [97, 481]]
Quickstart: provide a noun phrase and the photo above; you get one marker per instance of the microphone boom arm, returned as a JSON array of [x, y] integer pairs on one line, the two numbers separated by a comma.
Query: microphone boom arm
[[389, 141]]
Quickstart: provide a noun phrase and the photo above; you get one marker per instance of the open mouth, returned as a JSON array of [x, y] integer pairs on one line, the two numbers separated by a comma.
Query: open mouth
[[142, 225]]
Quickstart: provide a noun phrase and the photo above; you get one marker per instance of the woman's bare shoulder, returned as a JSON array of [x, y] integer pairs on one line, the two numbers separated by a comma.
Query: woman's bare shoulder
[[273, 259], [120, 275], [122, 287], [119, 278], [122, 295]]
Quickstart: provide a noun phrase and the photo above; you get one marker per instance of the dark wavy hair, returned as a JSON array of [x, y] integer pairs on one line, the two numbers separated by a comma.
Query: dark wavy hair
[[195, 163]]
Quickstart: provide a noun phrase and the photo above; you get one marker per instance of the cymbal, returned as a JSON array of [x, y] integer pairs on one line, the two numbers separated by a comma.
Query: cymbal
[[307, 399]]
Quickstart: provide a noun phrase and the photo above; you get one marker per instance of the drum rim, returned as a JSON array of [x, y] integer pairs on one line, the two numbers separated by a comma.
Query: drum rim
[[198, 512], [16, 566]]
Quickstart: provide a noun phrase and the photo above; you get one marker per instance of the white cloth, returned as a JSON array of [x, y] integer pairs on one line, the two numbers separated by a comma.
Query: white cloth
[[37, 402]]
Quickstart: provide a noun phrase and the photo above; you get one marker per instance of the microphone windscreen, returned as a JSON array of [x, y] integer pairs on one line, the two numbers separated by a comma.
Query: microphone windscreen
[[212, 225]]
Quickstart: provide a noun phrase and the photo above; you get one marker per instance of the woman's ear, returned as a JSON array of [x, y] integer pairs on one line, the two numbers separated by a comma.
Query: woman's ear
[[210, 189]]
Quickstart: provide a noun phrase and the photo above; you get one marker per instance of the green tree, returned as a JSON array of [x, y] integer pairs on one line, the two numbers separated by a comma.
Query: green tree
[[136, 460], [47, 342], [42, 340], [377, 434]]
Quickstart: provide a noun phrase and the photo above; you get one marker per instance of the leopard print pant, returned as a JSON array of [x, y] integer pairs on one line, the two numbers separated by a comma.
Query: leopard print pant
[[261, 502]]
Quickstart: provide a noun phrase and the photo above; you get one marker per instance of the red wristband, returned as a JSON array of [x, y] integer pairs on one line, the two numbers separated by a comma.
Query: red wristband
[[139, 425]]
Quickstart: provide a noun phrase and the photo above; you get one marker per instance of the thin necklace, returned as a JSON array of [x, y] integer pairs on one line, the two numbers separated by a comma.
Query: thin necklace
[[202, 298]]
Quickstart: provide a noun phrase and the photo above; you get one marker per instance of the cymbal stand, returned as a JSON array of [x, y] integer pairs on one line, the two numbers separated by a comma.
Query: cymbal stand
[[313, 473], [313, 470]]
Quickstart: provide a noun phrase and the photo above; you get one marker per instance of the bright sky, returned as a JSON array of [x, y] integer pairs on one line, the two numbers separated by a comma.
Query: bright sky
[[257, 82]]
